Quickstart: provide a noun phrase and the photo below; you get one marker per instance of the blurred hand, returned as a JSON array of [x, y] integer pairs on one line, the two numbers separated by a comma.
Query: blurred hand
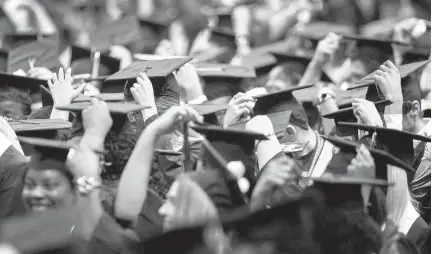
[[366, 111], [174, 118], [363, 165], [389, 81], [7, 130], [83, 161], [40, 73], [179, 38], [260, 124], [326, 49], [189, 81], [240, 106], [97, 119], [8, 249], [61, 88], [144, 95], [274, 177]]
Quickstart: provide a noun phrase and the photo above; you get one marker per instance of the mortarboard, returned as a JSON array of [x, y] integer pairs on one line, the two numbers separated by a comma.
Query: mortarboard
[[159, 27], [158, 72], [261, 62], [24, 232], [39, 125], [21, 82], [416, 55], [15, 40], [268, 103], [121, 113], [410, 89], [211, 55], [396, 142], [120, 32], [304, 59], [44, 51], [111, 97], [232, 144], [224, 38], [347, 115], [209, 111], [279, 121], [223, 79], [370, 49], [80, 53], [318, 30]]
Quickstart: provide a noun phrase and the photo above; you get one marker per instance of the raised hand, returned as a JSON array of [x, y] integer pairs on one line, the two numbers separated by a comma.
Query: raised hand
[[367, 112], [389, 81], [174, 118], [61, 88], [189, 81], [240, 106], [326, 49], [260, 124], [83, 161], [97, 119], [363, 165], [143, 93]]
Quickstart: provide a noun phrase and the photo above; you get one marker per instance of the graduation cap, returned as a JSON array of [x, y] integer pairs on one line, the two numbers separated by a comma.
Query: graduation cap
[[15, 40], [110, 97], [209, 111], [304, 59], [83, 57], [410, 89], [396, 142], [120, 32], [347, 115], [416, 55], [211, 55], [261, 62], [159, 27], [223, 79], [318, 30], [371, 50], [30, 85], [39, 125], [232, 144], [122, 114], [43, 51], [24, 232], [224, 38], [279, 121], [158, 72]]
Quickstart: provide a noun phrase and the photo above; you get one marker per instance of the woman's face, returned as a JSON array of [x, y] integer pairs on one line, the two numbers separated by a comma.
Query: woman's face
[[46, 190], [169, 209]]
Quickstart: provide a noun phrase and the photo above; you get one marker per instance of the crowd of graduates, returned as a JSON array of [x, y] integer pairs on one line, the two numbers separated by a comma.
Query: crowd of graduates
[[215, 126]]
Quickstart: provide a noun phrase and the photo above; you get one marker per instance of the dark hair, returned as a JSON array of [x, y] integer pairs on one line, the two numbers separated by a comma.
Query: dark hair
[[407, 107], [8, 93]]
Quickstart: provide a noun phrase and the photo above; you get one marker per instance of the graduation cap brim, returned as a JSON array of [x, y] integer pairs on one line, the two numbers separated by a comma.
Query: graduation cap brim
[[111, 97], [37, 125], [114, 108], [224, 134], [167, 152], [349, 110], [208, 108], [279, 121], [329, 178], [213, 54], [158, 26], [208, 70], [388, 131], [259, 60], [262, 101], [377, 154], [318, 30], [404, 71], [21, 82], [364, 40], [153, 69], [24, 232], [49, 143]]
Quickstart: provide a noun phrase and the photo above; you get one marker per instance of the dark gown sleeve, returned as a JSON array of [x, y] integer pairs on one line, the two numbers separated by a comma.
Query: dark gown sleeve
[[109, 238], [12, 168], [420, 235]]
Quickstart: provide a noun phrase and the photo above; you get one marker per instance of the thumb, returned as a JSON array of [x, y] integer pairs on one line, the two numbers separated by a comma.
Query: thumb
[[79, 90]]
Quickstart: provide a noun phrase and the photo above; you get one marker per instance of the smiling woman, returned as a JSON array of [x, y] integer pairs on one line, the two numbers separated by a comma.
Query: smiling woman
[[48, 184]]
